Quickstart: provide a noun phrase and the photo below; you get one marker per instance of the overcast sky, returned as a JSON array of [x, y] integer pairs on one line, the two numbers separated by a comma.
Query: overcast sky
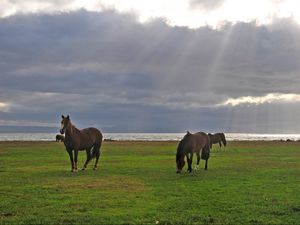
[[155, 66]]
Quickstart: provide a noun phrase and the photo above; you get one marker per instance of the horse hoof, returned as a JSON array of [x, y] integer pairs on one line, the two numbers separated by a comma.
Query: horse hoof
[[95, 168], [82, 169]]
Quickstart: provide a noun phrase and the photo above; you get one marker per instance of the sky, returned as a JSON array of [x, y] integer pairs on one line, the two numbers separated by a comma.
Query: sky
[[150, 66]]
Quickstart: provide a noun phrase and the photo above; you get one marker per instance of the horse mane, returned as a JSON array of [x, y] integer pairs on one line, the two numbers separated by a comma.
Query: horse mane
[[72, 127], [177, 156]]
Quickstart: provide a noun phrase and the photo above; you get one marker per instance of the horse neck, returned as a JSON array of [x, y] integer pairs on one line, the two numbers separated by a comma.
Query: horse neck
[[71, 131], [180, 149]]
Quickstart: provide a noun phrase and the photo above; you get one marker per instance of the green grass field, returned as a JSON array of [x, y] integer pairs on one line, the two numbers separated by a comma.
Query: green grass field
[[136, 183]]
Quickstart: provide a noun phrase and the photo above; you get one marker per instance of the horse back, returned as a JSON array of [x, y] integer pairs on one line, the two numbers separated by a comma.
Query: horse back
[[84, 139], [91, 134], [215, 138], [199, 141], [203, 144]]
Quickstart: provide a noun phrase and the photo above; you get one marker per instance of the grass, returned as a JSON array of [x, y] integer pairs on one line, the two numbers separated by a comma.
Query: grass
[[136, 183]]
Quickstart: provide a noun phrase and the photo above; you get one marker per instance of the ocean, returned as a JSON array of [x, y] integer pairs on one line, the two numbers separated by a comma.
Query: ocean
[[149, 136]]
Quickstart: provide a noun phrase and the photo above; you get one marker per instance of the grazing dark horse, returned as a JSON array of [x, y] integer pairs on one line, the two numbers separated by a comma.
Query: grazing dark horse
[[217, 138], [88, 139], [59, 138], [188, 145]]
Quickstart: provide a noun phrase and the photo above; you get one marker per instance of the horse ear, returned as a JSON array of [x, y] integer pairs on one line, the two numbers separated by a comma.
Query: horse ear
[[188, 132], [62, 116], [68, 117]]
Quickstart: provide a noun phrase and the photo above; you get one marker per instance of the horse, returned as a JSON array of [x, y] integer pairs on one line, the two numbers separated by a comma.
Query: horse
[[88, 139], [188, 145], [217, 138], [59, 138]]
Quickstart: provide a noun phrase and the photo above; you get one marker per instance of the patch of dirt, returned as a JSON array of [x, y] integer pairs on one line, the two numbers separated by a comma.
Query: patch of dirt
[[119, 183]]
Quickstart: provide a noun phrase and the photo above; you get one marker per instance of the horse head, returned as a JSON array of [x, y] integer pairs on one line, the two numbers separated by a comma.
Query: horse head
[[65, 123]]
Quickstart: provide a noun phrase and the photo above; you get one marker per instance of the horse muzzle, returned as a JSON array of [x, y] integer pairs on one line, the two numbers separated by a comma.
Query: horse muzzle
[[178, 171]]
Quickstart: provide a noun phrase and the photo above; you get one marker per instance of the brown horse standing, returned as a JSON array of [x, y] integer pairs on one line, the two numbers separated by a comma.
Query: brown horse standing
[[217, 138], [188, 145], [59, 138], [88, 139]]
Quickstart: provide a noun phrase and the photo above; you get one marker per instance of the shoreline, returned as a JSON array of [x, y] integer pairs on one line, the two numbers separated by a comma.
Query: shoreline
[[111, 137], [144, 141]]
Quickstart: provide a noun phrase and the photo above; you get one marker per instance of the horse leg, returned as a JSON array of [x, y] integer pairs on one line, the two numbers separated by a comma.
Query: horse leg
[[190, 160], [88, 158], [220, 144], [198, 160], [97, 154], [71, 159], [206, 164], [75, 158]]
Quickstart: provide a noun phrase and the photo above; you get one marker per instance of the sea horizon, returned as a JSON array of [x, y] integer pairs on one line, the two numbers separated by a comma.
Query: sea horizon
[[140, 136]]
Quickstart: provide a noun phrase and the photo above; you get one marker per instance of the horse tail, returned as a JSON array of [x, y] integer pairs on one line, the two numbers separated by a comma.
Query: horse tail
[[95, 153], [223, 139], [205, 153], [96, 150]]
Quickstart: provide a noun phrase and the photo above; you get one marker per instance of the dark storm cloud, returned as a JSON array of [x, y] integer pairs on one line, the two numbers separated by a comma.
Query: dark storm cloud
[[107, 69]]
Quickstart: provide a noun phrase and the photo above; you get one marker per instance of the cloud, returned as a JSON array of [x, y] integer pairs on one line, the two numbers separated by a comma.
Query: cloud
[[109, 70], [269, 98], [206, 4], [193, 13], [10, 7], [26, 123]]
